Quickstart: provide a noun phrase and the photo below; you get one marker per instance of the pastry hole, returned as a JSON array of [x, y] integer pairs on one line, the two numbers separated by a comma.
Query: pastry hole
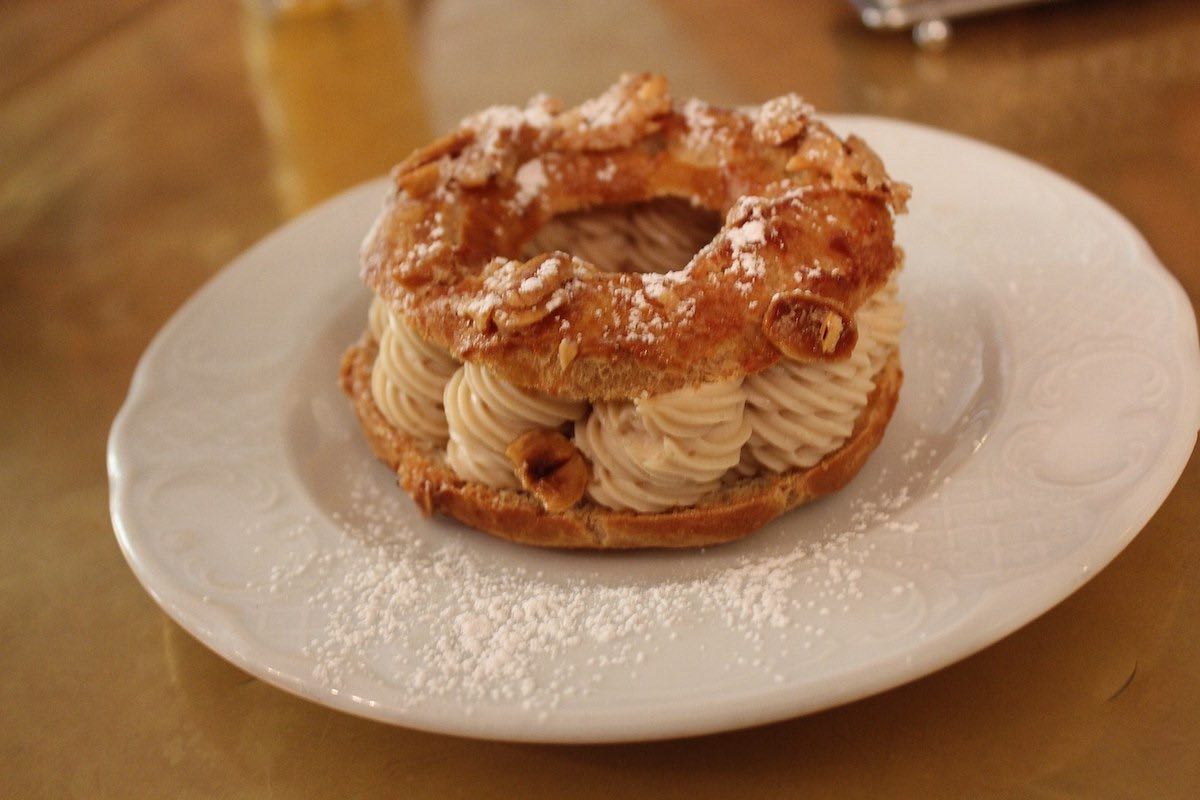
[[658, 235]]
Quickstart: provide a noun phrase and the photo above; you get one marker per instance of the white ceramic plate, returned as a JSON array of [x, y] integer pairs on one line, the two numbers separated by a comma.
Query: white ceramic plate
[[1051, 403]]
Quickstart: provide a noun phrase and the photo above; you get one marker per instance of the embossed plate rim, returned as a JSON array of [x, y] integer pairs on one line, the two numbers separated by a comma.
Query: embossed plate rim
[[218, 627]]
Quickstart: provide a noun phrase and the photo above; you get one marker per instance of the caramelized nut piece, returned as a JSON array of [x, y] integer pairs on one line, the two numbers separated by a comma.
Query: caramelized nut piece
[[809, 328], [782, 119], [820, 150], [477, 165], [549, 466], [510, 319], [847, 165], [869, 169], [831, 331], [524, 292], [617, 118], [449, 145], [567, 350], [652, 93], [535, 280], [421, 180]]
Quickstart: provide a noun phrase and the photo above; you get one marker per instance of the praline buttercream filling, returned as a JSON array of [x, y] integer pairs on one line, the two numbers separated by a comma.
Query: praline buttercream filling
[[648, 454]]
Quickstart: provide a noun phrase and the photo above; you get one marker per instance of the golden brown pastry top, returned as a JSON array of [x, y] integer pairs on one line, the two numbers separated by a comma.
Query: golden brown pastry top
[[807, 236]]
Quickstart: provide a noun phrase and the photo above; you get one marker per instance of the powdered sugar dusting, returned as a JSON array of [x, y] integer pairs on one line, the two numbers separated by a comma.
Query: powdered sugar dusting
[[495, 123], [547, 270], [606, 173], [439, 616], [531, 180], [643, 311], [480, 306], [706, 132], [750, 235], [747, 262], [604, 111]]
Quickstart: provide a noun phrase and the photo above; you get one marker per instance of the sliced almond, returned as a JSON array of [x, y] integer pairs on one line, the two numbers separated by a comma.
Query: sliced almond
[[567, 350], [420, 181]]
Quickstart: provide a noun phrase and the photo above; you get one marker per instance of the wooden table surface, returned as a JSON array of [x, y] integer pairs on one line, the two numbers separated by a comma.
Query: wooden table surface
[[144, 143]]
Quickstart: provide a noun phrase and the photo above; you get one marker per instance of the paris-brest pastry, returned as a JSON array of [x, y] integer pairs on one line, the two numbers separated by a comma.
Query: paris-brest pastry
[[632, 323]]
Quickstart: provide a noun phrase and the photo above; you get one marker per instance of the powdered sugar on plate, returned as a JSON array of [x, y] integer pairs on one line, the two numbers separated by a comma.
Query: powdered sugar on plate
[[438, 619]]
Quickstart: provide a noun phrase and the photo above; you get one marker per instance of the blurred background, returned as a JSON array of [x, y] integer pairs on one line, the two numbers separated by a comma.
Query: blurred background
[[144, 143]]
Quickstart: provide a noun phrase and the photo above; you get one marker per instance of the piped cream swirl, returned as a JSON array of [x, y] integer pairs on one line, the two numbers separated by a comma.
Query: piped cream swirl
[[800, 413], [664, 451], [658, 236], [486, 413], [409, 377], [378, 318], [883, 316]]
